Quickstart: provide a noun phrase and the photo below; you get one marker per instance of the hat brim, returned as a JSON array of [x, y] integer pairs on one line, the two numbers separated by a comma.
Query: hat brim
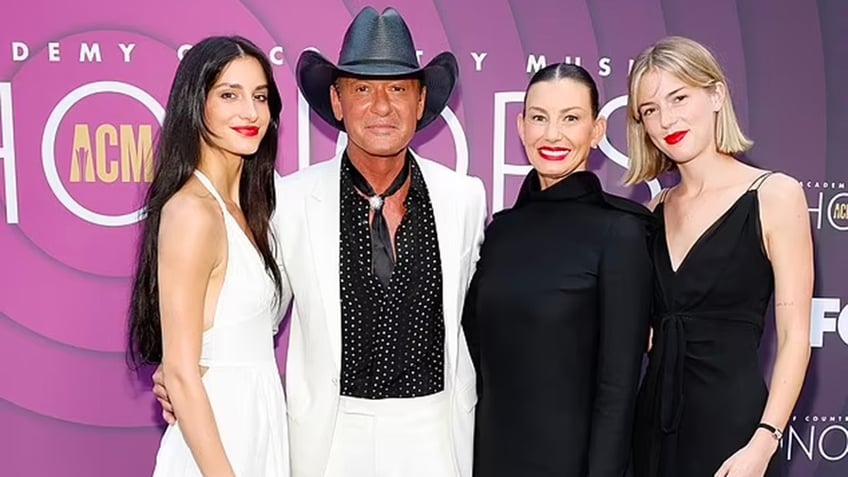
[[315, 75]]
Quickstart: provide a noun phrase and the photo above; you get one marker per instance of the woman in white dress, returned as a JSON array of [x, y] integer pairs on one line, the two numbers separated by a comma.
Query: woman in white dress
[[207, 289]]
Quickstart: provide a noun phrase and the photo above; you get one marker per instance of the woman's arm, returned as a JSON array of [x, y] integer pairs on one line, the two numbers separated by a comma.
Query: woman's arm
[[191, 237], [625, 294], [786, 222], [789, 244]]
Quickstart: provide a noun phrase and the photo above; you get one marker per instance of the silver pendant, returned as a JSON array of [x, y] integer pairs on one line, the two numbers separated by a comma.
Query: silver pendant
[[376, 202]]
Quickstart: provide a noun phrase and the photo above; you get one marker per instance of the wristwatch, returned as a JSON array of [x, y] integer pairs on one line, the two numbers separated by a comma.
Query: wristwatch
[[775, 432]]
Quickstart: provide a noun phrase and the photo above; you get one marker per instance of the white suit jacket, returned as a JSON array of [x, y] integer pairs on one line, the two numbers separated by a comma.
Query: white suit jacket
[[307, 227]]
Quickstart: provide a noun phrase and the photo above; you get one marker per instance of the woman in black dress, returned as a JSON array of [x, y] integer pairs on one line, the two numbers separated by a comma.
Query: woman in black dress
[[730, 235], [558, 310]]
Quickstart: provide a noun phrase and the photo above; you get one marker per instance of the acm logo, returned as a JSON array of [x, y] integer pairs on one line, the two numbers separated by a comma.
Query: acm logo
[[92, 159], [108, 154]]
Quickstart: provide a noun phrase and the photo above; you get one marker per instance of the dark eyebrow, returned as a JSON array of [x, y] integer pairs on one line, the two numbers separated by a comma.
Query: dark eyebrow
[[238, 86], [561, 111], [569, 109], [229, 85]]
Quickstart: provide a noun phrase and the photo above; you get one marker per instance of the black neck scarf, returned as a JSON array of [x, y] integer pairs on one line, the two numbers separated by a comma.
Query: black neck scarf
[[382, 253]]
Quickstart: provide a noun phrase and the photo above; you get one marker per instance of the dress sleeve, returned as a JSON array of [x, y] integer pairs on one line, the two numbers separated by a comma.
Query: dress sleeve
[[625, 294]]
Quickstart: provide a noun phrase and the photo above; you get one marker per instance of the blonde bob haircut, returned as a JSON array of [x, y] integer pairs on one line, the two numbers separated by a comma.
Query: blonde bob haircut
[[693, 64]]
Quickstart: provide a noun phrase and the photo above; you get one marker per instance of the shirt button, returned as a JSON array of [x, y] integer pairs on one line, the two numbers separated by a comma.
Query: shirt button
[[335, 381]]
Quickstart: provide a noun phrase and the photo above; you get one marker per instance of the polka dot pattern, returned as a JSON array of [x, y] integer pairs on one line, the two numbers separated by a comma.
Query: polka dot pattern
[[392, 337]]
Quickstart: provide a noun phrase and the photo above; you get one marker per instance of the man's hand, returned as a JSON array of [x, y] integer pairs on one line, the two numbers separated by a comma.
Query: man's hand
[[162, 396]]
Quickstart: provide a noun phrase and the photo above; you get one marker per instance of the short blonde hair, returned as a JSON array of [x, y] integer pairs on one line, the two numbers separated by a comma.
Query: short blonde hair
[[693, 64]]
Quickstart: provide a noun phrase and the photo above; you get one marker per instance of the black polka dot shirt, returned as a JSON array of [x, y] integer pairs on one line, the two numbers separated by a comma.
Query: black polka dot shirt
[[392, 337]]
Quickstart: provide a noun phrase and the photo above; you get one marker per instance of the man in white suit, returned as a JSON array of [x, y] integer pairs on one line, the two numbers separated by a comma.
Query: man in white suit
[[379, 246]]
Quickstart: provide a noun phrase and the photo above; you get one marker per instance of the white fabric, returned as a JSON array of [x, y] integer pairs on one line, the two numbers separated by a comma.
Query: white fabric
[[392, 438], [242, 379]]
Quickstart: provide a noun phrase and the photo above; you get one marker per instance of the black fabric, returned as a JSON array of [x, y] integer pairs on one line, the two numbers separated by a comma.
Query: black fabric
[[704, 394], [556, 320], [393, 335], [382, 253]]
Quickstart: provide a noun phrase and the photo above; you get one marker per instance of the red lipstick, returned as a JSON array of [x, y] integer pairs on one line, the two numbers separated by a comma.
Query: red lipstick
[[550, 153], [249, 131], [674, 138]]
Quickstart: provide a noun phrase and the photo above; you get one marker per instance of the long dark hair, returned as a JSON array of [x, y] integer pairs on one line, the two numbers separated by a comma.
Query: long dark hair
[[558, 71], [176, 156]]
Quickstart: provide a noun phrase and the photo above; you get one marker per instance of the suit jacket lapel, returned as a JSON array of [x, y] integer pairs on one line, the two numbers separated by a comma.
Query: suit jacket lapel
[[447, 231], [323, 217]]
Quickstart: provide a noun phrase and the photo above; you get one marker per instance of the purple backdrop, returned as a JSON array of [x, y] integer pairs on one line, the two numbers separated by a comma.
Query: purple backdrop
[[82, 86]]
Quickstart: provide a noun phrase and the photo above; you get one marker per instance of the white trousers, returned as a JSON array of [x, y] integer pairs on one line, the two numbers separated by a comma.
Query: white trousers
[[392, 438]]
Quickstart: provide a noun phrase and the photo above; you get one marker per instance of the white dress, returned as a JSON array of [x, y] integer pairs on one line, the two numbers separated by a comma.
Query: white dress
[[242, 379]]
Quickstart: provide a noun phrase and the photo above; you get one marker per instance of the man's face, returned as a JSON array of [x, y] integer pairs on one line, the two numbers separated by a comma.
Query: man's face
[[380, 115]]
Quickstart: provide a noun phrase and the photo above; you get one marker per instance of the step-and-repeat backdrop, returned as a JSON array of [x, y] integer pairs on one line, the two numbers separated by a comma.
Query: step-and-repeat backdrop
[[82, 90]]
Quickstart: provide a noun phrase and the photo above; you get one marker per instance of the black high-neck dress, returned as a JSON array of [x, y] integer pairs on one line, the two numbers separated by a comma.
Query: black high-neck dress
[[557, 323]]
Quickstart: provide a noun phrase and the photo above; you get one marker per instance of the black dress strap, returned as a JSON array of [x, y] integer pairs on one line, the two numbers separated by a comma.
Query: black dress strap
[[759, 180]]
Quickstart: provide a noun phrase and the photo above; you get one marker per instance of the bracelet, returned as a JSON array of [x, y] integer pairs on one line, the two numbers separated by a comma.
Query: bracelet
[[775, 432]]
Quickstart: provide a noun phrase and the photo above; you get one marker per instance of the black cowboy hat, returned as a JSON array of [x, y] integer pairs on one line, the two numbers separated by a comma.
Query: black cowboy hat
[[376, 46]]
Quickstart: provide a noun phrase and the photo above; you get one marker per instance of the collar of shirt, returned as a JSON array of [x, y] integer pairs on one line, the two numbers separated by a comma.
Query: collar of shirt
[[417, 189]]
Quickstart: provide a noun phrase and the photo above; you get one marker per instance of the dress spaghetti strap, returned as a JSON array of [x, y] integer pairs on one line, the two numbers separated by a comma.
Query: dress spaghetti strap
[[755, 185]]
